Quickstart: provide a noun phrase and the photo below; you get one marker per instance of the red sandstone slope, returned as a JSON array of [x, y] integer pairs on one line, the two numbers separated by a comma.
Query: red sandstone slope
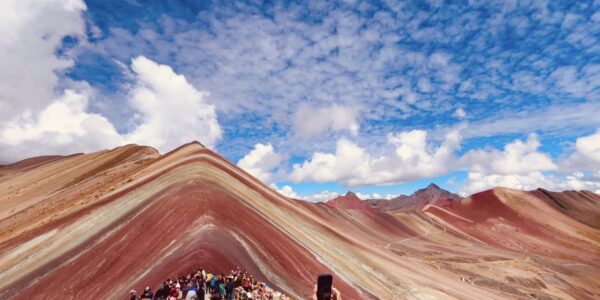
[[165, 215], [96, 225], [349, 201], [523, 221], [29, 163], [583, 206]]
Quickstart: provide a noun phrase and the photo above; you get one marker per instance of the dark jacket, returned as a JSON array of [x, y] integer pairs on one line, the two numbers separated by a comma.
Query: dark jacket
[[162, 293], [147, 295]]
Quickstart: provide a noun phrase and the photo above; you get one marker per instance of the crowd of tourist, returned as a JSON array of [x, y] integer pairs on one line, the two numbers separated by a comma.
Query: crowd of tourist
[[202, 285]]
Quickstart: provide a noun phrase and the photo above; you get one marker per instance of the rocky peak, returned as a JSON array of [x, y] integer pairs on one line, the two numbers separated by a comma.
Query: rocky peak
[[349, 201], [430, 194]]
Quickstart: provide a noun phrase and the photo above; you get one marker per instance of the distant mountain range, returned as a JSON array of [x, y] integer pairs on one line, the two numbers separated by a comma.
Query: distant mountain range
[[431, 194], [96, 225]]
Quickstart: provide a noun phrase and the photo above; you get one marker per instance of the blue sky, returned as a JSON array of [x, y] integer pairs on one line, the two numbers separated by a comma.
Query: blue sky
[[374, 96]]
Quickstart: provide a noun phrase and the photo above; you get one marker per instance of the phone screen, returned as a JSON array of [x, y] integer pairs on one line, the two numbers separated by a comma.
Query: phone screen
[[324, 283]]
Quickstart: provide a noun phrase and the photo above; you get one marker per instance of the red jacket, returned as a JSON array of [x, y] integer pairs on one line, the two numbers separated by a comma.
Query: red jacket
[[174, 292]]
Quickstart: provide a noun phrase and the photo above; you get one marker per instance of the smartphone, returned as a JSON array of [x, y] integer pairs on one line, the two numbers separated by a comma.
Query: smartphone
[[324, 284]]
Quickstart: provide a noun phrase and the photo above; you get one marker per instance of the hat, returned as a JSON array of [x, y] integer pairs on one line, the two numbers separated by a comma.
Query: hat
[[132, 292]]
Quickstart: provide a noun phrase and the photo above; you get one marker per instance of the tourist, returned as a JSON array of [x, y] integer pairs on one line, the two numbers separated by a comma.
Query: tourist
[[133, 294], [192, 293], [237, 285], [229, 288], [173, 293], [147, 295]]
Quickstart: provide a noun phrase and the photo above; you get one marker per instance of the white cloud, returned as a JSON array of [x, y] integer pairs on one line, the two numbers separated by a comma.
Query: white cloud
[[286, 190], [289, 192], [576, 181], [460, 113], [31, 32], [589, 146], [518, 157], [585, 155], [409, 157], [41, 113], [555, 120], [439, 59], [375, 196], [63, 127], [578, 82], [311, 121], [261, 162], [259, 67], [171, 111], [520, 165], [424, 85], [322, 196]]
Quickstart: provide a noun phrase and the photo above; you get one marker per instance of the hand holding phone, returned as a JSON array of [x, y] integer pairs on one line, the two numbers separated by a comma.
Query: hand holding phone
[[324, 287]]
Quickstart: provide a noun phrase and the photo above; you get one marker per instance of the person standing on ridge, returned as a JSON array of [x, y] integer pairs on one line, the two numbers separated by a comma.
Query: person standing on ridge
[[147, 295]]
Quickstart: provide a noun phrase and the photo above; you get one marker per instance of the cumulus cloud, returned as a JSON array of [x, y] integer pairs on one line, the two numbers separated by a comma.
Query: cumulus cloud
[[62, 127], [519, 165], [586, 154], [325, 195], [261, 162], [321, 196], [575, 181], [29, 69], [285, 190], [289, 192], [170, 110], [589, 146], [311, 121], [517, 157], [42, 112], [522, 166], [375, 196], [409, 157]]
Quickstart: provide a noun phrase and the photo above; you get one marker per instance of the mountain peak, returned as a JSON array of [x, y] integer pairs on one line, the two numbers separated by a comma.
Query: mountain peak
[[349, 201], [351, 194], [433, 186], [430, 194]]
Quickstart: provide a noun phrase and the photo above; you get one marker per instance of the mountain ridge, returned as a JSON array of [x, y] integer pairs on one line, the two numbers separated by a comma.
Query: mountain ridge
[[349, 201], [415, 201], [97, 224]]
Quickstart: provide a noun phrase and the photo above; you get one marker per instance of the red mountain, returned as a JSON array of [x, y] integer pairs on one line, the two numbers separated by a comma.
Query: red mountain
[[349, 201], [94, 226], [432, 193]]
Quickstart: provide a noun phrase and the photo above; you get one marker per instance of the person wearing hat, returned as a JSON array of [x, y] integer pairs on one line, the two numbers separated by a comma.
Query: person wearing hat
[[133, 294]]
